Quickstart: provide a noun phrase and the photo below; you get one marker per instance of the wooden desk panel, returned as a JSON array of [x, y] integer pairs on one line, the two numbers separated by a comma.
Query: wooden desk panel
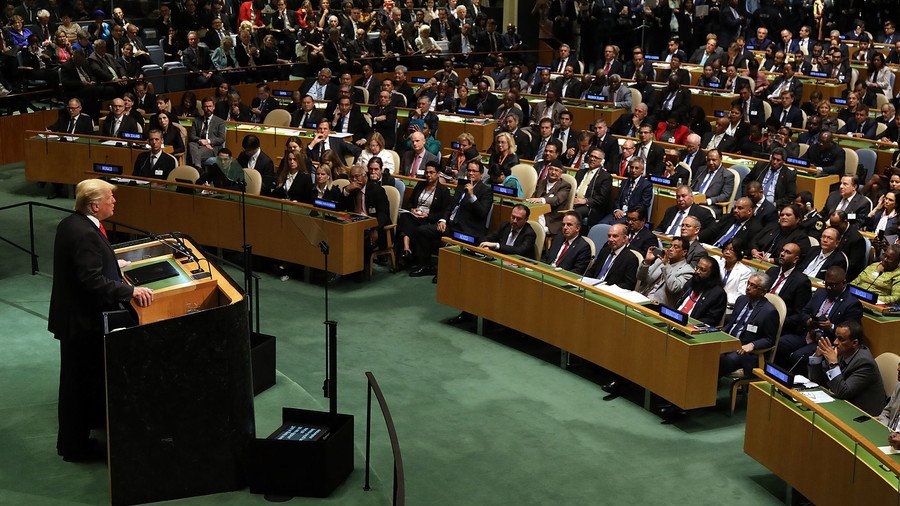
[[681, 371]]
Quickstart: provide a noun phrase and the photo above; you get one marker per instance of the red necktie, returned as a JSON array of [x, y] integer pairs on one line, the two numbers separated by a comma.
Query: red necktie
[[578, 162], [689, 303], [103, 231], [622, 168], [562, 253], [777, 283]]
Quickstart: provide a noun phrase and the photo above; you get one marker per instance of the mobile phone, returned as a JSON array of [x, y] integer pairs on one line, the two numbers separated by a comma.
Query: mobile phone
[[862, 418]]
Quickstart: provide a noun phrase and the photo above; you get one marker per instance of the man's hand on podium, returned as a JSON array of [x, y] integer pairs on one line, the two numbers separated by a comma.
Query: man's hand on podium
[[143, 296]]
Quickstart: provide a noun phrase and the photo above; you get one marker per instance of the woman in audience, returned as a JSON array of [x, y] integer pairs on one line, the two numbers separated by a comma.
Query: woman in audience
[[456, 161], [671, 130], [375, 149], [880, 76], [882, 221], [504, 151], [293, 142], [292, 181], [172, 46], [62, 48], [171, 134], [427, 204], [339, 168], [268, 55], [829, 121], [734, 272], [188, 106], [811, 220], [462, 98], [129, 100], [324, 189], [501, 175], [18, 34], [697, 122], [224, 58], [768, 243]]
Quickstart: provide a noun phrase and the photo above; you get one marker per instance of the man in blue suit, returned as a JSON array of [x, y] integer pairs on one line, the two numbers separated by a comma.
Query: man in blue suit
[[636, 191], [754, 322]]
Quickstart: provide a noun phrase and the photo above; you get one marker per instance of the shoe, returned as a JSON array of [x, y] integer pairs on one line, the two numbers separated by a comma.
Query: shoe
[[423, 271], [461, 318], [406, 253], [671, 413], [612, 389], [284, 277], [434, 279]]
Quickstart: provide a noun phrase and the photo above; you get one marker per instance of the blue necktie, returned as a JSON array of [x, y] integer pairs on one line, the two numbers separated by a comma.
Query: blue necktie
[[606, 265], [728, 235], [676, 223]]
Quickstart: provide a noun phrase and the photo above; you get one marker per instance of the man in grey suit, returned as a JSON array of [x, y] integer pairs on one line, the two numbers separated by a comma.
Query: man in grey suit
[[554, 191], [848, 369], [890, 416], [617, 92], [714, 180], [664, 273], [207, 134]]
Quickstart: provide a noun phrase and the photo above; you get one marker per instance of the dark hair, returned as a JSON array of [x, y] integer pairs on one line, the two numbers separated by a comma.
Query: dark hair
[[641, 212], [250, 142], [525, 208], [497, 169], [684, 243], [737, 246], [856, 330]]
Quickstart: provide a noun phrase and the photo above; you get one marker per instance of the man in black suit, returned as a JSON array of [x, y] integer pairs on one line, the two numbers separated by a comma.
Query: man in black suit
[[568, 85], [779, 182], [628, 125], [636, 191], [848, 369], [675, 100], [308, 115], [680, 74], [787, 114], [369, 82], [144, 101], [117, 123], [846, 198], [74, 122], [86, 282], [263, 103], [567, 136], [652, 153], [569, 251], [789, 283], [484, 102], [852, 243], [824, 256], [684, 206], [441, 27], [693, 157], [215, 34], [764, 212], [751, 107], [252, 157], [233, 109], [828, 307], [564, 59], [754, 322], [542, 137], [349, 120], [861, 125], [384, 118], [771, 239], [616, 264], [704, 298], [467, 214], [154, 163], [322, 142], [826, 156], [197, 60], [515, 237], [592, 190], [718, 138], [786, 81], [738, 226], [364, 196], [604, 140], [640, 237]]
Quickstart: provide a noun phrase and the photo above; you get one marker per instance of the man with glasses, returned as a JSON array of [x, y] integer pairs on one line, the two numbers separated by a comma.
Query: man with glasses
[[75, 122], [652, 153], [690, 231], [552, 190], [636, 191], [593, 188], [117, 123], [754, 322]]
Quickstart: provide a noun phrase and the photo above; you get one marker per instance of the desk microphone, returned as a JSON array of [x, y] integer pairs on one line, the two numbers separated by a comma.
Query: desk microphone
[[796, 364]]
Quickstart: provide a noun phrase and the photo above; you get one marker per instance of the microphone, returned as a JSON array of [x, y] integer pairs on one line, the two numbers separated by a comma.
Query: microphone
[[796, 364], [875, 277]]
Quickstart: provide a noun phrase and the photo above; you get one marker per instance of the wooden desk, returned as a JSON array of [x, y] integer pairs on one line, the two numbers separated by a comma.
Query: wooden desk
[[594, 327], [273, 226], [812, 455]]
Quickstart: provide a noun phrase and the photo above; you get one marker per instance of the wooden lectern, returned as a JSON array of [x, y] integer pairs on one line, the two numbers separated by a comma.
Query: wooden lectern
[[178, 384]]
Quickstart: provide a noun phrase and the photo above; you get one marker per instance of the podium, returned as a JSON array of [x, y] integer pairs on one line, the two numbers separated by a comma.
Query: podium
[[179, 395]]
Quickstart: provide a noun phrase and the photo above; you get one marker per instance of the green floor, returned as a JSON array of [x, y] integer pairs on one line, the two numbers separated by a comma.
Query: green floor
[[481, 420]]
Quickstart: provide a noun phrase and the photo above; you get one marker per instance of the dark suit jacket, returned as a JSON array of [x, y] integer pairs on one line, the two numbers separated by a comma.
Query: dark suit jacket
[[223, 110], [471, 218], [534, 148], [726, 144], [831, 161], [128, 125], [86, 280], [376, 203], [406, 161], [265, 107], [339, 146], [757, 115], [845, 307], [710, 307], [854, 246], [764, 316], [859, 381], [99, 67], [858, 205], [577, 257], [706, 218], [795, 291], [771, 239], [793, 119], [83, 125], [785, 185], [523, 245], [266, 169], [641, 195], [868, 128], [300, 189], [835, 258], [623, 270], [439, 203], [766, 213], [719, 188], [742, 238], [216, 131], [656, 159], [357, 125], [164, 165], [680, 105]]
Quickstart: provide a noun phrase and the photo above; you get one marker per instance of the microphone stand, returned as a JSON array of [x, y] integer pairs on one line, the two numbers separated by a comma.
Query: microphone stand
[[329, 387]]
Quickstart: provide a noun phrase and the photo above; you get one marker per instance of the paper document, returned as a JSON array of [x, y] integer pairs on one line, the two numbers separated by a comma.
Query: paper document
[[590, 281], [803, 381], [341, 135], [819, 397], [888, 450], [112, 143], [629, 295]]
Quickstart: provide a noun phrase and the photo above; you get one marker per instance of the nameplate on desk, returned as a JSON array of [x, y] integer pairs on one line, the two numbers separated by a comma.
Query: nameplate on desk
[[651, 57], [780, 375], [105, 168], [539, 68], [129, 135], [749, 47], [420, 80], [714, 85], [596, 98], [499, 189], [282, 93], [797, 161], [325, 204], [863, 295], [838, 101], [818, 74], [461, 237], [673, 314], [662, 180], [470, 112], [719, 114]]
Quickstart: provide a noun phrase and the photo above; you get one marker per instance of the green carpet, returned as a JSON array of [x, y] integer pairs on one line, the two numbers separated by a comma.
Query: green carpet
[[481, 420]]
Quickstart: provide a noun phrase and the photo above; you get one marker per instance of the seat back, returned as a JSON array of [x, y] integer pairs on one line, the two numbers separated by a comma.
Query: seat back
[[394, 200], [253, 179], [365, 93], [813, 242], [400, 187], [736, 188], [781, 307], [340, 183], [803, 148], [635, 98], [570, 202], [155, 75], [867, 158], [879, 129], [176, 78], [767, 108], [593, 248], [396, 158], [278, 117], [157, 55], [184, 172], [851, 161], [527, 177], [887, 365], [540, 237], [599, 233]]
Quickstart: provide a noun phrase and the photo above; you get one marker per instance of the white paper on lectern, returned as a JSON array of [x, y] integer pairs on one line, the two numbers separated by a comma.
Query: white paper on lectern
[[818, 397]]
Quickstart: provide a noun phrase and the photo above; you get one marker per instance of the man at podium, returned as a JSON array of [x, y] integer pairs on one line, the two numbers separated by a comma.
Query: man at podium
[[86, 282]]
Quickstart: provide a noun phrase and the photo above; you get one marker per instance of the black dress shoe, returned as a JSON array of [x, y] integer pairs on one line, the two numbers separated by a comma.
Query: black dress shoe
[[422, 271], [611, 388], [434, 279], [461, 318], [670, 413]]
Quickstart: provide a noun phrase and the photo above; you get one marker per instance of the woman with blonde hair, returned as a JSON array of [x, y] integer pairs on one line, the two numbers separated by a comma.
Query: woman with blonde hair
[[504, 151], [375, 149], [339, 168]]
